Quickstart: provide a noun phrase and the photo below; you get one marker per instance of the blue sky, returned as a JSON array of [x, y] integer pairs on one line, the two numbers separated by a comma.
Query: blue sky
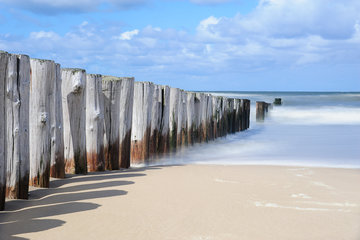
[[238, 45]]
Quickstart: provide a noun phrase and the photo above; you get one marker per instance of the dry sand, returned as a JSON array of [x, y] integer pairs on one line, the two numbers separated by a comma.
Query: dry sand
[[194, 202]]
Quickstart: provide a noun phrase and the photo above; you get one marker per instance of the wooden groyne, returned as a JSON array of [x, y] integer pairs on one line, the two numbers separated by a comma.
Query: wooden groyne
[[57, 120]]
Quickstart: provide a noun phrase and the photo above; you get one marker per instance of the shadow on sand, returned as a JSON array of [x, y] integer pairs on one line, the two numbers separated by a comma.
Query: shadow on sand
[[23, 216]]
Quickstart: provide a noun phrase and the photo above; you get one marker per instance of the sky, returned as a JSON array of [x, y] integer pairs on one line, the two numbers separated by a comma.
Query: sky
[[211, 45]]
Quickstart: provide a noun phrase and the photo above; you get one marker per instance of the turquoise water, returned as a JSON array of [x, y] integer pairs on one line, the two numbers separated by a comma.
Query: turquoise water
[[309, 129]]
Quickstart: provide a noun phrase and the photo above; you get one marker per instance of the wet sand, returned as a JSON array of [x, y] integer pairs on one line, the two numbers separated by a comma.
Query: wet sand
[[192, 202]]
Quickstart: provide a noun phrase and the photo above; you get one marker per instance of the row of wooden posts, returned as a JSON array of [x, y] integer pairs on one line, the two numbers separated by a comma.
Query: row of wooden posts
[[55, 121]]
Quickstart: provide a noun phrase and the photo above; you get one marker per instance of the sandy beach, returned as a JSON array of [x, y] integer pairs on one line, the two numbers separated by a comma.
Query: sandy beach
[[194, 202]]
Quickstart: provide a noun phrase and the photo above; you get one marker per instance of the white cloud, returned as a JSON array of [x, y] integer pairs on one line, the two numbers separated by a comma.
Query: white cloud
[[43, 34], [128, 35], [206, 28]]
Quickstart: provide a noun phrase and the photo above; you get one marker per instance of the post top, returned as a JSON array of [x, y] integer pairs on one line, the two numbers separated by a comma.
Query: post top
[[73, 70], [113, 78], [41, 60]]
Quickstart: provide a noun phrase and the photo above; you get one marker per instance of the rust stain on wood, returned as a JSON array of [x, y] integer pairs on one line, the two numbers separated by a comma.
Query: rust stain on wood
[[41, 180], [112, 156], [125, 151], [57, 170], [20, 190], [140, 149], [95, 161]]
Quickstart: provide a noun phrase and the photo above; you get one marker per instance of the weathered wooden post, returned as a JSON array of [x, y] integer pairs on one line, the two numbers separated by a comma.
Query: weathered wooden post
[[174, 117], [94, 123], [243, 115], [200, 109], [277, 101], [247, 110], [74, 105], [141, 122], [41, 91], [230, 115], [126, 114], [191, 117], [223, 116], [215, 117], [155, 121], [57, 166], [209, 118], [237, 121], [118, 93], [3, 64], [181, 119], [164, 140], [183, 139], [17, 126], [260, 111], [111, 87]]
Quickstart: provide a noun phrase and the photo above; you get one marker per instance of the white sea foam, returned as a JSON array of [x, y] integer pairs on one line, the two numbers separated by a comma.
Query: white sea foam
[[224, 181], [321, 184], [318, 115], [274, 205], [300, 195], [345, 204]]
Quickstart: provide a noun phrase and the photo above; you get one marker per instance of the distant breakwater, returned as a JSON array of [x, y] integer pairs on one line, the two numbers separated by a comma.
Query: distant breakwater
[[55, 121]]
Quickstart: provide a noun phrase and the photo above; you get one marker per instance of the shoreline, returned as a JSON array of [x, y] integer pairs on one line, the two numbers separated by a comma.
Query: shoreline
[[242, 164], [193, 201]]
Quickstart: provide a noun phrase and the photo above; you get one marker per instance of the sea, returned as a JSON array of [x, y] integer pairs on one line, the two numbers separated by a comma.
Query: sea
[[309, 129]]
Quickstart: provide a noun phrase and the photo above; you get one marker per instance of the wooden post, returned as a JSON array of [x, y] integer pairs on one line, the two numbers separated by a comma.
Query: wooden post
[[3, 64], [94, 123], [237, 115], [242, 115], [57, 167], [17, 130], [247, 111], [118, 95], [215, 117], [164, 140], [126, 113], [191, 119], [155, 121], [260, 111], [141, 122], [200, 109], [230, 115], [174, 117], [184, 127], [209, 118], [74, 105], [111, 87], [41, 90], [181, 119], [277, 101], [223, 125]]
